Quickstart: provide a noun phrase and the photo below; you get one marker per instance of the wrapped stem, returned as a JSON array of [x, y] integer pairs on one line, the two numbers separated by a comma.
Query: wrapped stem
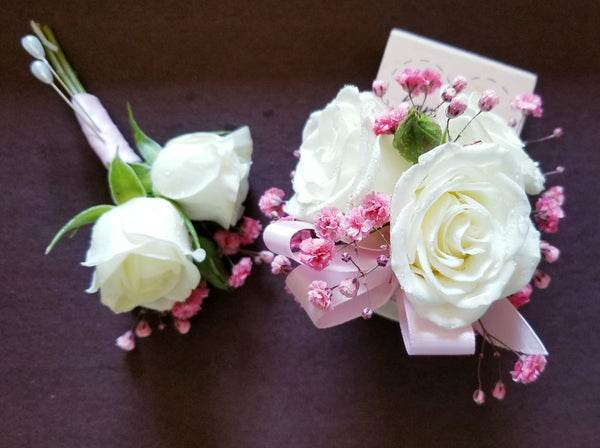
[[104, 137], [101, 133]]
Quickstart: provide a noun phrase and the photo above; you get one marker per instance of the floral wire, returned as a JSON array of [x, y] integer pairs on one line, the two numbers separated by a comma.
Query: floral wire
[[358, 260], [491, 338], [424, 99], [411, 99], [466, 126], [364, 274], [435, 109], [497, 355], [378, 230], [479, 360]]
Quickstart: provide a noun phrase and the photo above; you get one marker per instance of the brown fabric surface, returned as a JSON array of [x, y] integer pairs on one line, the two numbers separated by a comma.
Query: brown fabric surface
[[253, 371]]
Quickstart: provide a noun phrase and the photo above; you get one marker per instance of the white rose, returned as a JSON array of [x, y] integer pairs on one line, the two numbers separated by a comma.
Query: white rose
[[341, 158], [461, 232], [206, 174], [489, 127], [141, 251]]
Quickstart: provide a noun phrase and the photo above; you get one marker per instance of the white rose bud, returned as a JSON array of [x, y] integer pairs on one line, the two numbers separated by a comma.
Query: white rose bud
[[206, 174], [142, 254]]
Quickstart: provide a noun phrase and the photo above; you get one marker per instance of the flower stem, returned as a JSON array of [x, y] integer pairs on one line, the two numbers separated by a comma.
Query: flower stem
[[466, 126]]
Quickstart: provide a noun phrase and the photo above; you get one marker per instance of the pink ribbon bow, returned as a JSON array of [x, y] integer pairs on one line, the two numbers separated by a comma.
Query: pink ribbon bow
[[380, 289]]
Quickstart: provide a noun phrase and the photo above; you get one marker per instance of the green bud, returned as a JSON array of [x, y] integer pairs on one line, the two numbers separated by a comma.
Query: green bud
[[416, 134]]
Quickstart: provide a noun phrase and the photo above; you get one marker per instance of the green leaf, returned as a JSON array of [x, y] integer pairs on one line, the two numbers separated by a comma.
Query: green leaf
[[147, 147], [416, 134], [124, 183], [89, 216], [212, 268], [142, 171]]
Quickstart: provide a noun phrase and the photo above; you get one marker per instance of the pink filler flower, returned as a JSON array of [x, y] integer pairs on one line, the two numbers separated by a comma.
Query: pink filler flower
[[240, 272], [528, 368], [317, 253], [319, 294]]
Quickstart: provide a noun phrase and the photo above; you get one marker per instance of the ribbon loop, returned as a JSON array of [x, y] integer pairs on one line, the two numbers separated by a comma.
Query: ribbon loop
[[380, 286], [375, 288]]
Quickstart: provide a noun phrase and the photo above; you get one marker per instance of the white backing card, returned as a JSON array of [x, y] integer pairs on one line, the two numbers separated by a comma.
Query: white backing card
[[407, 50]]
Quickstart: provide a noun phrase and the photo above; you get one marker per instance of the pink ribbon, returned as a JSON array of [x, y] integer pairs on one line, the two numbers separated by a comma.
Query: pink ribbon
[[421, 337], [101, 133], [373, 292]]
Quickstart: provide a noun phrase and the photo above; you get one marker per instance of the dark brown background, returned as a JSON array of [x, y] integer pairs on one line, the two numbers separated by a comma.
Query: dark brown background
[[254, 372]]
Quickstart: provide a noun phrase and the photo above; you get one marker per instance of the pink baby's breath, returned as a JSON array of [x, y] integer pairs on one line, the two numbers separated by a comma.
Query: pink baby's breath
[[433, 81], [319, 294], [357, 225], [499, 391], [549, 252], [541, 280], [193, 304], [330, 224], [228, 242], [448, 94], [281, 265], [528, 368], [411, 81], [387, 121], [548, 213], [521, 297], [182, 326], [489, 99], [456, 107], [382, 261], [349, 287], [126, 341], [479, 396], [317, 253], [249, 230], [376, 208], [384, 123], [264, 256], [557, 192], [271, 203], [459, 83], [528, 104], [298, 237], [240, 272], [379, 88], [143, 329]]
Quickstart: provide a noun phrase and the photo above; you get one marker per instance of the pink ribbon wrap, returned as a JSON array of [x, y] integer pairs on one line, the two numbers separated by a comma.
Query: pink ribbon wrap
[[421, 337], [101, 133]]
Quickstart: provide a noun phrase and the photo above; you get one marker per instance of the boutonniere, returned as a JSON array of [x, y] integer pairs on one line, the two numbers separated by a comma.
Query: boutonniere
[[176, 226]]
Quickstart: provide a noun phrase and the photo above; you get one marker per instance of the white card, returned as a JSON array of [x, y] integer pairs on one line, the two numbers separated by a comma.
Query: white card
[[407, 50]]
